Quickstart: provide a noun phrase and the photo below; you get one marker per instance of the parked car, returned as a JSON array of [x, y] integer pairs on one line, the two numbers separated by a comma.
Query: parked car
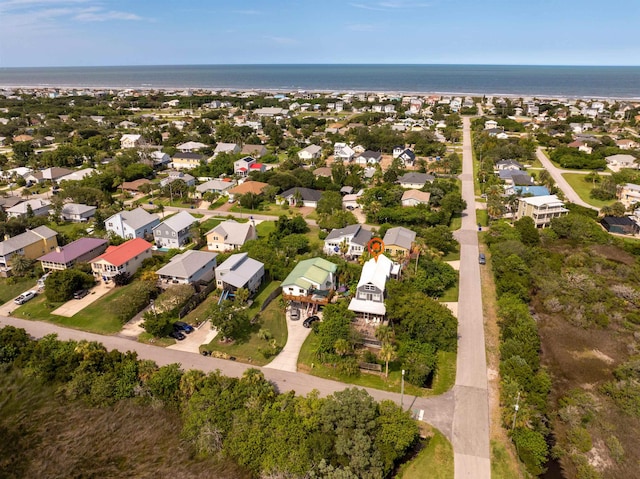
[[24, 297], [310, 320], [177, 335], [80, 293], [183, 327], [482, 259], [294, 314]]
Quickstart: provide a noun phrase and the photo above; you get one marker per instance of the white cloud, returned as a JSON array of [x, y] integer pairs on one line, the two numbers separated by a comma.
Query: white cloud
[[36, 13], [97, 15]]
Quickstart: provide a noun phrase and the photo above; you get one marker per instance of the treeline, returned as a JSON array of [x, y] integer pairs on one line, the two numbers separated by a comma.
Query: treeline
[[523, 381], [346, 435]]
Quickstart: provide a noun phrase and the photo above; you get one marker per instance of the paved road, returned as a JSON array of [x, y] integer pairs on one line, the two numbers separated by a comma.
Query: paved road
[[471, 398], [556, 174], [438, 410]]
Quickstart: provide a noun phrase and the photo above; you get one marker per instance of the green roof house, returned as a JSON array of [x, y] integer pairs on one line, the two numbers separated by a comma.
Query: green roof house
[[311, 281]]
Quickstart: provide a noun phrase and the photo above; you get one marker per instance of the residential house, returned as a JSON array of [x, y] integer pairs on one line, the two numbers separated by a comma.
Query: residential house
[[76, 175], [271, 112], [617, 162], [527, 191], [620, 225], [490, 125], [81, 250], [255, 187], [159, 159], [186, 161], [627, 144], [230, 148], [239, 271], [350, 201], [9, 201], [369, 157], [230, 235], [628, 194], [134, 186], [542, 209], [38, 207], [123, 259], [76, 212], [241, 167], [132, 224], [254, 151], [324, 172], [56, 173], [178, 175], [175, 231], [350, 241], [415, 180], [298, 196], [407, 157], [310, 153], [220, 187], [32, 244], [343, 152], [399, 241], [311, 281], [368, 302], [415, 198], [130, 141], [190, 267], [508, 165], [190, 146]]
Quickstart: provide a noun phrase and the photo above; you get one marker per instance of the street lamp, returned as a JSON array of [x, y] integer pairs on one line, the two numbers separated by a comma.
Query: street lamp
[[402, 391]]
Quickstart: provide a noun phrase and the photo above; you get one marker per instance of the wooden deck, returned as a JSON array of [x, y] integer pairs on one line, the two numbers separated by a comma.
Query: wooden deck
[[308, 299]]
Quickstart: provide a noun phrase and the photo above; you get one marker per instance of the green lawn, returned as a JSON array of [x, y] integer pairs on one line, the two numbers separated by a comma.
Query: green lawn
[[148, 338], [248, 349], [315, 243], [434, 461], [482, 217], [450, 295], [583, 188], [71, 230], [210, 223], [263, 293], [10, 288], [95, 318], [456, 223], [452, 256], [270, 209], [445, 376], [218, 203], [265, 227]]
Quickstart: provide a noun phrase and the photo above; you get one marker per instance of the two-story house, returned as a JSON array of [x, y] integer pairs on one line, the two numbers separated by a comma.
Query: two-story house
[[398, 241], [350, 241], [174, 232], [190, 267], [230, 235], [628, 194], [130, 141], [239, 271], [32, 244], [369, 157], [186, 161], [311, 281], [132, 224], [542, 209], [343, 152], [368, 302], [310, 153], [123, 259], [242, 166], [81, 250], [77, 212], [415, 180]]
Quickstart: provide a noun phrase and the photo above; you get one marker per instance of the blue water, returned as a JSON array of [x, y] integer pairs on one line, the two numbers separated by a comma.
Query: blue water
[[570, 81]]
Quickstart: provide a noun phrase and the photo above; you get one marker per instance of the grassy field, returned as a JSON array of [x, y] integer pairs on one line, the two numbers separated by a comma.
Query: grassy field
[[265, 227], [10, 289], [450, 295], [266, 209], [95, 318], [434, 461], [583, 188], [482, 217], [502, 464], [71, 230], [248, 347], [456, 223], [453, 256]]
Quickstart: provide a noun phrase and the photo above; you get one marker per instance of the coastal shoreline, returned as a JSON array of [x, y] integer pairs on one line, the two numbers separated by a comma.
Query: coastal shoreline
[[274, 91]]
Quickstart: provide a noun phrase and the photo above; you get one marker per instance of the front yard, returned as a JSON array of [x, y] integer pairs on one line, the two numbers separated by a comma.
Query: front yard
[[95, 318], [583, 189], [12, 287]]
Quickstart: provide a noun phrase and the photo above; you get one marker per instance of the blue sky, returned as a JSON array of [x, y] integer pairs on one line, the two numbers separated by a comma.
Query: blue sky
[[161, 32]]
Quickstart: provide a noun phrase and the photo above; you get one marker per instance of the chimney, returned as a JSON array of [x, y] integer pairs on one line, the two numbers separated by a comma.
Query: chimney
[[6, 237], [58, 249]]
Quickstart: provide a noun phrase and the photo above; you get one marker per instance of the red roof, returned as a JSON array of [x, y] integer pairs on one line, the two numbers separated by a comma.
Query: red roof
[[119, 255], [242, 169], [256, 166]]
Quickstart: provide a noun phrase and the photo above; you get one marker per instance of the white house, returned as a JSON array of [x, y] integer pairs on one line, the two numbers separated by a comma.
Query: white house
[[343, 152], [189, 267], [230, 148], [123, 259], [368, 303], [350, 241], [415, 198], [415, 180], [77, 212], [38, 207], [132, 224], [230, 235], [190, 146], [242, 166], [369, 157], [239, 271], [130, 141], [310, 153], [617, 162]]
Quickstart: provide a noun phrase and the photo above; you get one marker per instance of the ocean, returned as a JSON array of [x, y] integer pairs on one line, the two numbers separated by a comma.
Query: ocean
[[544, 81]]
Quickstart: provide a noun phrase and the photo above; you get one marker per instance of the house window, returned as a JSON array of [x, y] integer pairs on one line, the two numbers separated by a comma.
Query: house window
[[173, 234], [369, 287]]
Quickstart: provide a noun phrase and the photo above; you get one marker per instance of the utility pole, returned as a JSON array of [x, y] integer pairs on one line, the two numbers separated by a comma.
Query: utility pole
[[515, 414], [402, 392]]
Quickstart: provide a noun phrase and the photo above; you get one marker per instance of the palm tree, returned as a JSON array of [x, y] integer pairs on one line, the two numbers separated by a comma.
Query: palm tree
[[20, 265], [342, 347], [387, 353], [385, 334]]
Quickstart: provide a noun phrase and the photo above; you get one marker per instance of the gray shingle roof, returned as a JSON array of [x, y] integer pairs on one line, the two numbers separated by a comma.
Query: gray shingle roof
[[187, 264], [138, 218], [399, 237], [25, 239], [178, 222]]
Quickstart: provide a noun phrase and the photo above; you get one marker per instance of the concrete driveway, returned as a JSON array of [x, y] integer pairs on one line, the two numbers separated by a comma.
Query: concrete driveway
[[6, 308], [287, 360], [74, 306], [192, 342]]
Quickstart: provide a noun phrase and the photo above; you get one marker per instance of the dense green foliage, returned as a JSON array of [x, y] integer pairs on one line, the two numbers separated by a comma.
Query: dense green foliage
[[346, 434], [60, 285]]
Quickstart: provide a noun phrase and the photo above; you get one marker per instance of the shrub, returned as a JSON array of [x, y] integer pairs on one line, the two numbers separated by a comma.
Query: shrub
[[532, 449], [60, 285]]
